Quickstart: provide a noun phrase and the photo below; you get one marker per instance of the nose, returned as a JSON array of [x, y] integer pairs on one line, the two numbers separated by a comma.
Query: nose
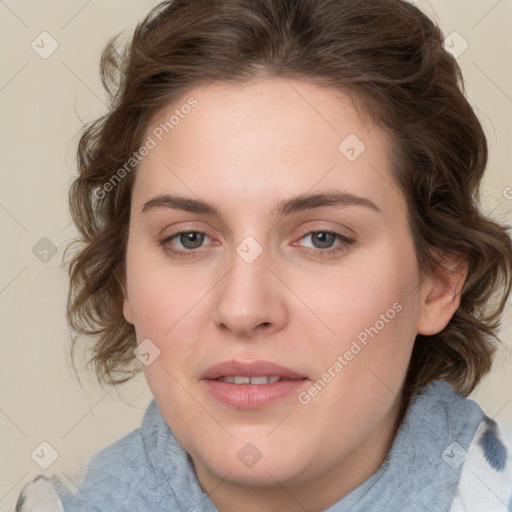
[[250, 300]]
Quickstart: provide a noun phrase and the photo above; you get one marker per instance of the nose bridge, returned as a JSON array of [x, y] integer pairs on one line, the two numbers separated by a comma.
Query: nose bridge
[[248, 297], [251, 265], [246, 283]]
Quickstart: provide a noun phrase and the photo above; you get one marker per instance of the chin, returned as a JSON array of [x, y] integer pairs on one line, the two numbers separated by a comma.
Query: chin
[[264, 473], [256, 463]]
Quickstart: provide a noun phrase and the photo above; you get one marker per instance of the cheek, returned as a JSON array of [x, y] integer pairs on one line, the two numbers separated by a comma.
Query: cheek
[[370, 310], [160, 299], [367, 290], [169, 309]]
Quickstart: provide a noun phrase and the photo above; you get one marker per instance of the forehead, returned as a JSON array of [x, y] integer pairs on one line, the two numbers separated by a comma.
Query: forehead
[[264, 139]]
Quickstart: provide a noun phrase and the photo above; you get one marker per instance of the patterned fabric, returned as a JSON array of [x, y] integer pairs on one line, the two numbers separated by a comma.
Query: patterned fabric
[[485, 483], [39, 495]]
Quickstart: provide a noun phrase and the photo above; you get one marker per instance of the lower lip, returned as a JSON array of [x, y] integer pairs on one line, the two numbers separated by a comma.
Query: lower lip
[[252, 396]]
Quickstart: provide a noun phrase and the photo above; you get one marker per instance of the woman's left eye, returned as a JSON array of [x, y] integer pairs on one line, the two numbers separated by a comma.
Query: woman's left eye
[[325, 241], [321, 239]]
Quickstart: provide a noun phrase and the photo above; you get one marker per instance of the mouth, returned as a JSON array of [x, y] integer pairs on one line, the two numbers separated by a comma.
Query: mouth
[[255, 381], [252, 385]]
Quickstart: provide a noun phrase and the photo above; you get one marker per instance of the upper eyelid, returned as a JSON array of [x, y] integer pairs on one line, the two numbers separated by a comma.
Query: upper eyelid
[[342, 232]]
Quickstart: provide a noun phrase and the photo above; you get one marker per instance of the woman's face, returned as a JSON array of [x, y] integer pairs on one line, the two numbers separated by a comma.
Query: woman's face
[[268, 239]]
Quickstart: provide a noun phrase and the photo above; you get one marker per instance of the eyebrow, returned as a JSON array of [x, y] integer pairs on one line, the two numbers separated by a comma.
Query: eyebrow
[[309, 202], [284, 207]]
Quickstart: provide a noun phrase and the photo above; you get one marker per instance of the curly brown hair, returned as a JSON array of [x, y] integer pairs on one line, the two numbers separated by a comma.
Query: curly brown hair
[[387, 54]]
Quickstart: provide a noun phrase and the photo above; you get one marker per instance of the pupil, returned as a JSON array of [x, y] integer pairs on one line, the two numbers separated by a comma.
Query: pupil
[[323, 240], [191, 240]]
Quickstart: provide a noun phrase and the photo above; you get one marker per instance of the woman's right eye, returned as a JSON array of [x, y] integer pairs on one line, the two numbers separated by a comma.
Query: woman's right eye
[[184, 243], [191, 239]]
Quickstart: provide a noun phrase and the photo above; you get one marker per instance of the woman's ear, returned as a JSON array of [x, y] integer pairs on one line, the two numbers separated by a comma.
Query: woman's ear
[[441, 291], [120, 275]]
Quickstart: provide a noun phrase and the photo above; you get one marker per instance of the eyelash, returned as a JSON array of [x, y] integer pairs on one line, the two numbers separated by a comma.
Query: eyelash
[[329, 251]]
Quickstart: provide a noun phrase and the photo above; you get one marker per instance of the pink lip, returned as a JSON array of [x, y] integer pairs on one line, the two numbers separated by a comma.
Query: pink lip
[[254, 369], [250, 396]]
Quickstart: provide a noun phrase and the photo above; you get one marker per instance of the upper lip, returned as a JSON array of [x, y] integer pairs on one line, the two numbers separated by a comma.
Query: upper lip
[[250, 369]]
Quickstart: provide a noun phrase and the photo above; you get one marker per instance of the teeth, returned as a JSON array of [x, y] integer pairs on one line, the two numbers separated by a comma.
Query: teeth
[[262, 380], [249, 380]]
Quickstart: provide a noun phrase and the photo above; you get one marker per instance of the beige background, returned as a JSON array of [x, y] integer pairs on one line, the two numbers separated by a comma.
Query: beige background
[[43, 103]]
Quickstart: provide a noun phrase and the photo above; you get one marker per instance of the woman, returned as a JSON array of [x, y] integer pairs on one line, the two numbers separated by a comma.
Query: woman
[[279, 220]]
